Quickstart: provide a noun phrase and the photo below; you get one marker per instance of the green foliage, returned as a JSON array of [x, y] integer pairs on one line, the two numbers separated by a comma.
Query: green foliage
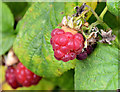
[[7, 31], [32, 46], [116, 42], [7, 19], [34, 38], [65, 81], [99, 71], [113, 7], [18, 8], [108, 17]]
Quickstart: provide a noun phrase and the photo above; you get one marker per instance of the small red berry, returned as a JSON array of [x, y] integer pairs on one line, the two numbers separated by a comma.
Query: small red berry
[[58, 54], [55, 46], [65, 49], [72, 55], [25, 77], [77, 44], [78, 36], [63, 40], [11, 77], [66, 58], [59, 32], [69, 35], [70, 44]]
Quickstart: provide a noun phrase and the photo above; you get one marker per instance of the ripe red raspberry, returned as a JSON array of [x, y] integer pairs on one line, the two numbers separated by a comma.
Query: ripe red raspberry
[[66, 45], [25, 76], [11, 77]]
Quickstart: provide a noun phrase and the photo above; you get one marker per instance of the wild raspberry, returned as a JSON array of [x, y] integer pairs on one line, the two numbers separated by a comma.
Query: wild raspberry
[[25, 76], [88, 51], [66, 45], [90, 48], [11, 77], [82, 56]]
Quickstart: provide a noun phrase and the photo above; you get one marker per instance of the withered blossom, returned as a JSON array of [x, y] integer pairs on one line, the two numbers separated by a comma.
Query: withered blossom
[[107, 36]]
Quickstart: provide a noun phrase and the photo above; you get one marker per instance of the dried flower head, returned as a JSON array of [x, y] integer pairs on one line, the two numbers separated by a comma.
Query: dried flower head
[[107, 36]]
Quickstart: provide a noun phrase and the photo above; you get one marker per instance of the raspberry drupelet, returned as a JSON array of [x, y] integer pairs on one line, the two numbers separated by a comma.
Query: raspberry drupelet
[[25, 77]]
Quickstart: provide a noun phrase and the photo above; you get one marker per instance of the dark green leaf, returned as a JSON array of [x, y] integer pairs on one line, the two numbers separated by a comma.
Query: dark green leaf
[[18, 8], [7, 41], [66, 81], [99, 71], [107, 19], [7, 19], [7, 32]]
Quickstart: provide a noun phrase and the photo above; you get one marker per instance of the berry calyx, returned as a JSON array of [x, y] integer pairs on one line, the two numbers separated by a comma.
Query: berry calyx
[[11, 77], [70, 30], [25, 77], [66, 45]]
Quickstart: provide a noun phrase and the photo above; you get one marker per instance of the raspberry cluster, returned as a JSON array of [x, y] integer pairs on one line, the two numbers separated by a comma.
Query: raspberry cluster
[[21, 76], [66, 45]]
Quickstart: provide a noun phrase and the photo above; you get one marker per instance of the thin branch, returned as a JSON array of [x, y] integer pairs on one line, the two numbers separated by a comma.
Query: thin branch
[[103, 13], [101, 22]]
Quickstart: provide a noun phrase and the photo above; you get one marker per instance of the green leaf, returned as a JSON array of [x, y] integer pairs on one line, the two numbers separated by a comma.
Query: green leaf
[[65, 81], [116, 42], [7, 41], [113, 7], [7, 19], [107, 19], [34, 38], [6, 33], [18, 8], [99, 71]]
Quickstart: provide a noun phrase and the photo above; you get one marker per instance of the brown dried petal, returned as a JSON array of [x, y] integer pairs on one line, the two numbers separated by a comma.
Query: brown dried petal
[[107, 37]]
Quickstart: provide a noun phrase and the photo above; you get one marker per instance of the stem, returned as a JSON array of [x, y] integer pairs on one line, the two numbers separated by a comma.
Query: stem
[[95, 14], [103, 13], [84, 34], [92, 25], [99, 20], [82, 15]]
